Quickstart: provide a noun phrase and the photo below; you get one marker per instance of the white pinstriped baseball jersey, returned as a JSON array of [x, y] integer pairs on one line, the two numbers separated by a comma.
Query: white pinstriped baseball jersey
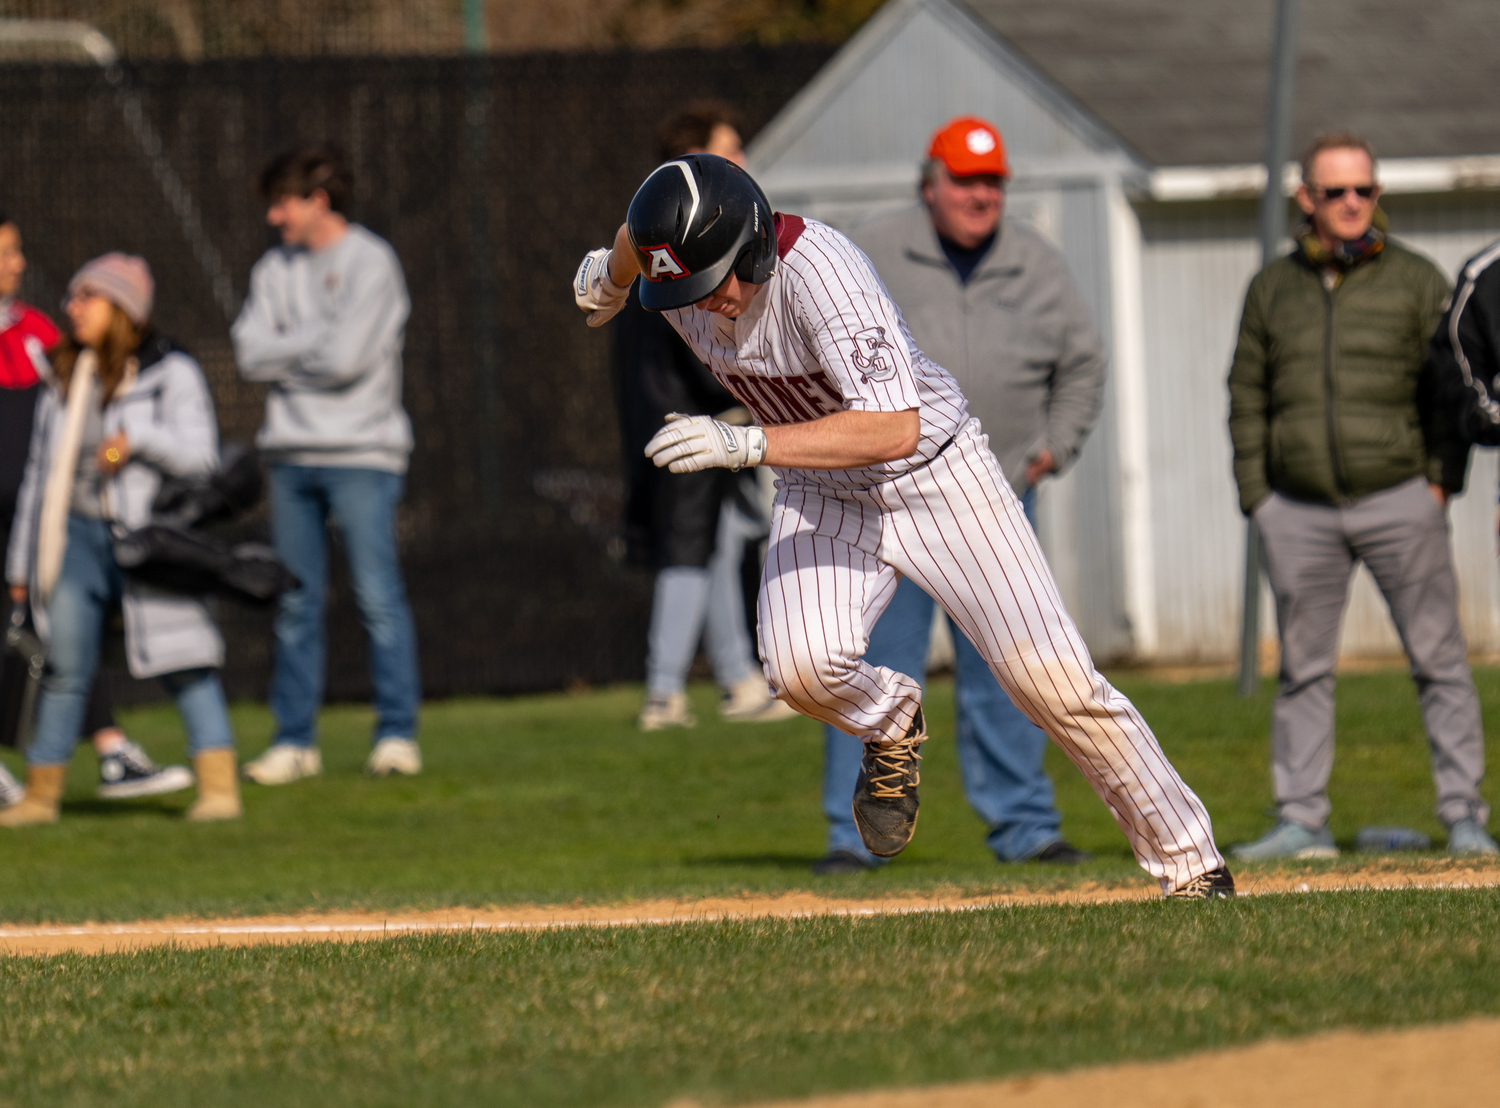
[[824, 336]]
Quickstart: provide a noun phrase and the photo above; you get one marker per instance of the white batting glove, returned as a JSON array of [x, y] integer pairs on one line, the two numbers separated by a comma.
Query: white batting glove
[[594, 292], [690, 443]]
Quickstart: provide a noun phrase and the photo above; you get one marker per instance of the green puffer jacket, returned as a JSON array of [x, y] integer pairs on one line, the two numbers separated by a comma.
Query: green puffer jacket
[[1323, 394]]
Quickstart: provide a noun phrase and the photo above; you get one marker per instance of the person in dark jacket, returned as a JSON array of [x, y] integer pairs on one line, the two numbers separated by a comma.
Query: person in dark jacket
[[1339, 460], [692, 528], [1464, 361]]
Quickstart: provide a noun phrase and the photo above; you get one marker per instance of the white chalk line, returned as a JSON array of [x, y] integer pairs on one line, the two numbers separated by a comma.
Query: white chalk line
[[419, 926]]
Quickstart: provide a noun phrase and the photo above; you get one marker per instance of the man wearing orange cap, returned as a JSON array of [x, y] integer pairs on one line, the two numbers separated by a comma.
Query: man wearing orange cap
[[994, 305]]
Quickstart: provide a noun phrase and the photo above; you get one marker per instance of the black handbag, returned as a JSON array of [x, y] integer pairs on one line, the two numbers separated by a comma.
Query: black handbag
[[21, 667], [235, 489], [174, 558], [172, 553]]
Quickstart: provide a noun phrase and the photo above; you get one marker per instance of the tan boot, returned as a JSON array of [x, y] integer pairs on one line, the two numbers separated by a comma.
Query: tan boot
[[218, 787], [44, 788]]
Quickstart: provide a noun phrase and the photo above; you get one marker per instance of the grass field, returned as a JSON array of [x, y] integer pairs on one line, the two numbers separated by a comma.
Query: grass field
[[731, 1012], [558, 798]]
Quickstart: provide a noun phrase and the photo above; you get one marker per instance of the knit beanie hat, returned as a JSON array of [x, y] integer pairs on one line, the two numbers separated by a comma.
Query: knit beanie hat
[[123, 279]]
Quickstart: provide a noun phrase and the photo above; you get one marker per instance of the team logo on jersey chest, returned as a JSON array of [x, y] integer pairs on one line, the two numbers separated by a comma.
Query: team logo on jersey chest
[[662, 264], [874, 357]]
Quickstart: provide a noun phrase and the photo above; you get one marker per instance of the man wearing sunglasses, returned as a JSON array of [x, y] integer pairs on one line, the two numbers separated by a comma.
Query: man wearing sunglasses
[[1339, 460]]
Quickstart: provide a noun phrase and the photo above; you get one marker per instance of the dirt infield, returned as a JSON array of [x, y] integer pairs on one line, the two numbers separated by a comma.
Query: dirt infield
[[1429, 1067], [99, 938]]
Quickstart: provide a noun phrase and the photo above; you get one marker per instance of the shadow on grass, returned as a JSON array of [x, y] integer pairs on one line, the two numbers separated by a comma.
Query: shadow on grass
[[798, 862], [170, 806]]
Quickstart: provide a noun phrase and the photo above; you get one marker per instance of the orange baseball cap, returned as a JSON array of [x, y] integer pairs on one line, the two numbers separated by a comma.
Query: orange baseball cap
[[969, 146]]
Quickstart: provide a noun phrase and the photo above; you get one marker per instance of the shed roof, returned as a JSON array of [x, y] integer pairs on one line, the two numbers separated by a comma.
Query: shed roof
[[1184, 82]]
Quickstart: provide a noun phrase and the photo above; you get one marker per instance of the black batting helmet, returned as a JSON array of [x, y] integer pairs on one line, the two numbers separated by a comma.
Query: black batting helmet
[[693, 220]]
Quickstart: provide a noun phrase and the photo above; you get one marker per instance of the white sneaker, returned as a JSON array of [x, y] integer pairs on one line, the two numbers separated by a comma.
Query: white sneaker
[[666, 711], [284, 763], [11, 790], [750, 701], [393, 755]]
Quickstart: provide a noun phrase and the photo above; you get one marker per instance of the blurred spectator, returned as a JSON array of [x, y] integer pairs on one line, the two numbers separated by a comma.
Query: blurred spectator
[[1339, 461], [124, 407], [1464, 359], [993, 304], [693, 528], [324, 326], [25, 335]]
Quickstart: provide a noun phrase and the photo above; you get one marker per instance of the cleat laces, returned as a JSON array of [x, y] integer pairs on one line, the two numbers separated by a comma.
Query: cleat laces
[[898, 759], [1196, 889], [1215, 885]]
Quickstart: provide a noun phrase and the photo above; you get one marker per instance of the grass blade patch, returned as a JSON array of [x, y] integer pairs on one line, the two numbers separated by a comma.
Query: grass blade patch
[[732, 1012]]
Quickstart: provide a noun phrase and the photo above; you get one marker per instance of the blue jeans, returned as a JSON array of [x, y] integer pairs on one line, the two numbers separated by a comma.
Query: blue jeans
[[362, 504], [87, 589], [708, 604], [999, 750]]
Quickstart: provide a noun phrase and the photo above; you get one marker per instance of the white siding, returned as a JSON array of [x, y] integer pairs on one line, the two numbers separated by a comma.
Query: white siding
[[1197, 261]]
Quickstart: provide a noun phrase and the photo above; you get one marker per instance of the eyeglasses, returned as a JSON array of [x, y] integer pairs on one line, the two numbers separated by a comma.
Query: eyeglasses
[[1364, 192]]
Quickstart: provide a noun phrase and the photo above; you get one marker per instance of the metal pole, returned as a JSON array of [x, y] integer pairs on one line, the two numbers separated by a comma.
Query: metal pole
[[486, 296], [1272, 231], [473, 26]]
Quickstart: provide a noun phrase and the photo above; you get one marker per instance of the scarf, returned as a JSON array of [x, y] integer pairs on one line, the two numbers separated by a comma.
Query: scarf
[[52, 530], [1334, 263]]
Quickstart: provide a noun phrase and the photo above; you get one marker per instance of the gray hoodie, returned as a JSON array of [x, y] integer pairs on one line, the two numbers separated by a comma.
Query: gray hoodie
[[324, 328], [1016, 337]]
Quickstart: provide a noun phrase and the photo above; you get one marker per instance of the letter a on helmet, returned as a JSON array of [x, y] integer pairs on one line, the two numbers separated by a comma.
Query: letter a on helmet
[[694, 220]]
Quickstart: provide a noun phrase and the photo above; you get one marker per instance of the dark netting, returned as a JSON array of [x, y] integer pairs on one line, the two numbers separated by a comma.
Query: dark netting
[[491, 177]]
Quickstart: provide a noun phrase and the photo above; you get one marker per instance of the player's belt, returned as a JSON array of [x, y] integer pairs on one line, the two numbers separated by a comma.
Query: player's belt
[[936, 456]]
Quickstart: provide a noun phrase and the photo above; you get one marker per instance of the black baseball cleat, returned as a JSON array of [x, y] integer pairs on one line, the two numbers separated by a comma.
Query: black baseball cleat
[[1214, 885], [885, 796]]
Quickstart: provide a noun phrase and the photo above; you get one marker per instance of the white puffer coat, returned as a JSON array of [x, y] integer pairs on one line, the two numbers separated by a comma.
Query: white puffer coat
[[168, 418]]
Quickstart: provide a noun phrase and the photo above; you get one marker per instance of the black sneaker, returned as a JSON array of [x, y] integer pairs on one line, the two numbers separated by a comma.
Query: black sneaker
[[1061, 853], [840, 862], [129, 773], [1215, 885], [885, 796]]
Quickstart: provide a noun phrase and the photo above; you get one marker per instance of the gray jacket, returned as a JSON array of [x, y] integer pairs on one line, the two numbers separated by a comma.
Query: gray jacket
[[324, 329], [1017, 336], [168, 418]]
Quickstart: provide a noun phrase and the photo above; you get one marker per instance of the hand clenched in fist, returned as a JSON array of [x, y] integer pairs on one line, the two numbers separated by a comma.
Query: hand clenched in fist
[[687, 444]]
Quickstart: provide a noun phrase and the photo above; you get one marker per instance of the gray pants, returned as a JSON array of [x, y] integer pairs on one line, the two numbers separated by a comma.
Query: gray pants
[[1401, 534]]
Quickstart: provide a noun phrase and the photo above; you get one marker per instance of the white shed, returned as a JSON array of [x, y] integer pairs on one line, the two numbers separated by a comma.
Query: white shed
[[1135, 129]]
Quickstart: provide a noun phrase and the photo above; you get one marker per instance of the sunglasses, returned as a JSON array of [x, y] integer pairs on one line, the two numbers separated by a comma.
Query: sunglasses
[[1364, 192]]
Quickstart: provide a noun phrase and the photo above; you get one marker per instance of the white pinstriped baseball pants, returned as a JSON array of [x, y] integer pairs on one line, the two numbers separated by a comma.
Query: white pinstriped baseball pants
[[957, 530]]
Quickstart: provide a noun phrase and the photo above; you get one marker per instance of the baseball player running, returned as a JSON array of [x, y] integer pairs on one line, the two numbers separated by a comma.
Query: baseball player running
[[882, 473]]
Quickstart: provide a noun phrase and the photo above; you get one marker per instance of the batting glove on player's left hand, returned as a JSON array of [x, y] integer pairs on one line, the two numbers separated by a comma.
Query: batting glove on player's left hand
[[690, 443], [593, 290]]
